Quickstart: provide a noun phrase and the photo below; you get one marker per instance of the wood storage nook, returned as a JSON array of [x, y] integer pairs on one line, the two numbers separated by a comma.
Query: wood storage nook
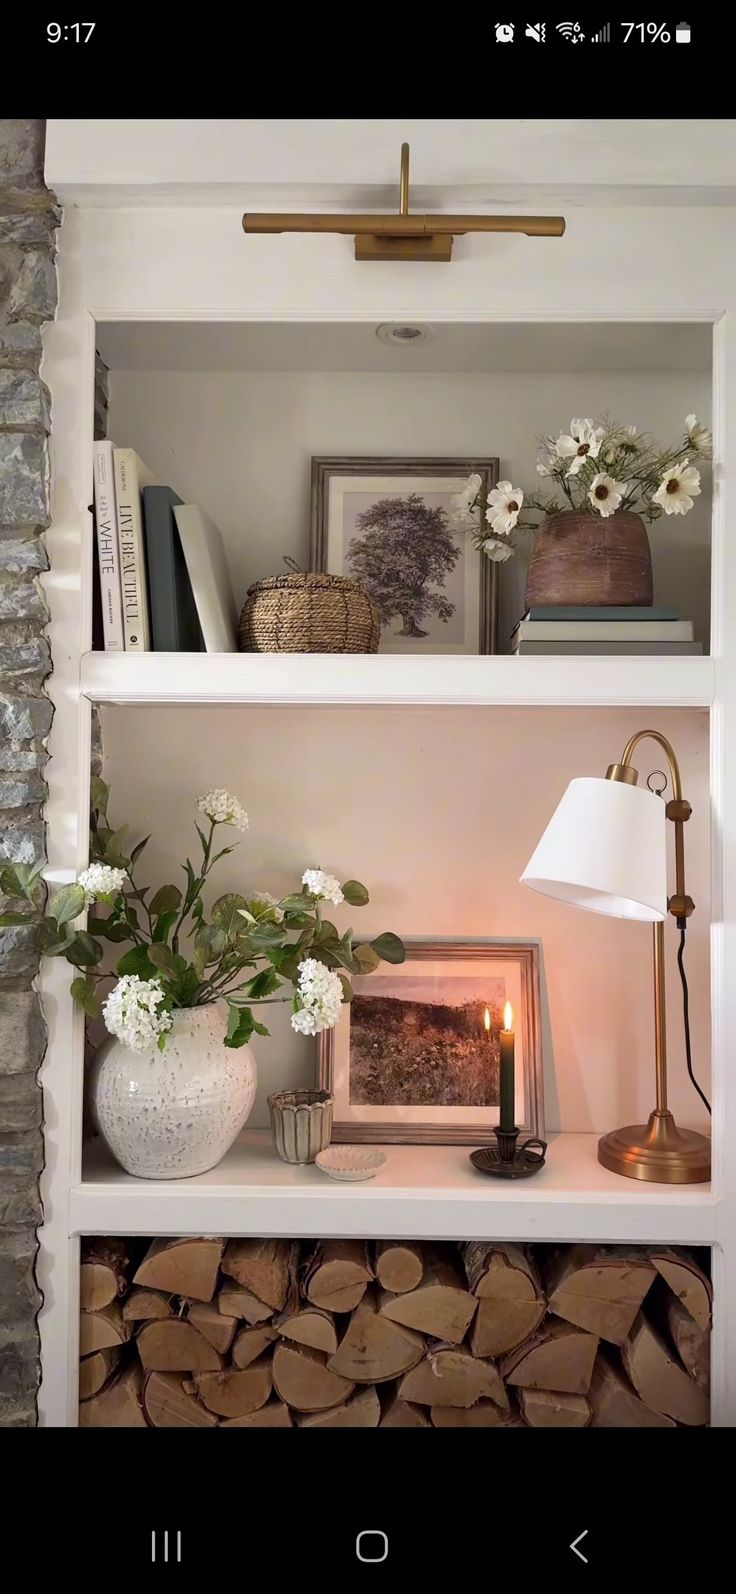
[[204, 1333]]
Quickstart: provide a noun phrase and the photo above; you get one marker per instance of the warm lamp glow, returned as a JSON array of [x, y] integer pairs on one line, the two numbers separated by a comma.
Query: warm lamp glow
[[487, 1019], [508, 1017]]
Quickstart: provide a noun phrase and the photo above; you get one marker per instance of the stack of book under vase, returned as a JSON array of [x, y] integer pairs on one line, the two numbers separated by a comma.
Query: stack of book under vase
[[606, 630]]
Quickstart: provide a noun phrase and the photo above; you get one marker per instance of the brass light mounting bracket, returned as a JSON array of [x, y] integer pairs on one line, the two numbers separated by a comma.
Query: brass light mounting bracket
[[404, 236]]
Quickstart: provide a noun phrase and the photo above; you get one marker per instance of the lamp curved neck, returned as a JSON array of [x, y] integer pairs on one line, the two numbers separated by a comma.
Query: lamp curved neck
[[668, 750]]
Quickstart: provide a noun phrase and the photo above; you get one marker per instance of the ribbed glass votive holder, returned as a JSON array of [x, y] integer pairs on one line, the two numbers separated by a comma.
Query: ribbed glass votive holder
[[301, 1123]]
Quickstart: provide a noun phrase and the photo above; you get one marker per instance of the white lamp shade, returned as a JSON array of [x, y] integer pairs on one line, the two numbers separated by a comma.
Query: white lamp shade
[[604, 849]]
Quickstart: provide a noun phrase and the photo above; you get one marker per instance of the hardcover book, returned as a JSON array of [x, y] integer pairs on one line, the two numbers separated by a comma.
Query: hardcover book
[[108, 558], [573, 611], [131, 476], [605, 631], [175, 626]]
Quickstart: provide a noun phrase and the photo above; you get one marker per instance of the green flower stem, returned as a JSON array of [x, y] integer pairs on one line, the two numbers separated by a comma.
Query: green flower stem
[[195, 888]]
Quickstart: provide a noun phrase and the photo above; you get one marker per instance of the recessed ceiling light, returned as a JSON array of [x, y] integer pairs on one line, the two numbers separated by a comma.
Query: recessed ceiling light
[[403, 332]]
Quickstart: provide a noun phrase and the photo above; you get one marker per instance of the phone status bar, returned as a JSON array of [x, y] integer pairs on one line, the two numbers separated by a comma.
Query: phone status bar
[[572, 32]]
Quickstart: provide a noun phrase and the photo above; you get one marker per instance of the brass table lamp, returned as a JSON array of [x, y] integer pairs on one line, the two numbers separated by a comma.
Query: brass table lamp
[[604, 849]]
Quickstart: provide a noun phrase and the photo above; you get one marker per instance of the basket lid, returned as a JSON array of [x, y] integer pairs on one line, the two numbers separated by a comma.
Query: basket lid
[[309, 580]]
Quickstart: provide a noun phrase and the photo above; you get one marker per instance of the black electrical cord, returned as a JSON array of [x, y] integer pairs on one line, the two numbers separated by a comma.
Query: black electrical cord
[[686, 1014]]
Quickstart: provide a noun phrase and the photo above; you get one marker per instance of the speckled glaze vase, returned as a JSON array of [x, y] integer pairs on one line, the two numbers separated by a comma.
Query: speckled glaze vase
[[171, 1114]]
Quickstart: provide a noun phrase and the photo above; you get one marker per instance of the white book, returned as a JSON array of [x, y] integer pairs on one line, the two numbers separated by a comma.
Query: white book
[[131, 476], [605, 631], [107, 548], [208, 572]]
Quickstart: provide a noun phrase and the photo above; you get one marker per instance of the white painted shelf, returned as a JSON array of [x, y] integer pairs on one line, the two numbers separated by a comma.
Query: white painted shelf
[[424, 1192], [390, 678]]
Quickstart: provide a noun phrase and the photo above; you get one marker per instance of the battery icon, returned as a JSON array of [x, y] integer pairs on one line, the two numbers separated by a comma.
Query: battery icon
[[682, 33]]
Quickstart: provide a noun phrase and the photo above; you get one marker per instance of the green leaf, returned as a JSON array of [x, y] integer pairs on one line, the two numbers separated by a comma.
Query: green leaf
[[166, 900], [188, 986], [347, 989], [389, 948], [212, 939], [168, 962], [355, 894], [111, 929], [226, 912], [85, 995], [84, 950], [367, 957], [286, 960], [263, 936], [6, 919], [138, 848], [301, 903], [164, 923], [68, 904], [99, 794], [114, 844], [264, 983], [136, 961], [240, 1026]]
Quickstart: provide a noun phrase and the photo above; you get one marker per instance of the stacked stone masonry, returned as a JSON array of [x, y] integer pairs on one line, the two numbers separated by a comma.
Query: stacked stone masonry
[[28, 221]]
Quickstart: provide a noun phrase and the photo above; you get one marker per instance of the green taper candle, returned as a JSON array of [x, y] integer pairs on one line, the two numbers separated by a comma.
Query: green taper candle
[[508, 1087]]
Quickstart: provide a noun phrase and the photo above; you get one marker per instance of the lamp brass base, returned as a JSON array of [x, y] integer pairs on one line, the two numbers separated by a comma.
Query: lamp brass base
[[422, 246], [657, 1151]]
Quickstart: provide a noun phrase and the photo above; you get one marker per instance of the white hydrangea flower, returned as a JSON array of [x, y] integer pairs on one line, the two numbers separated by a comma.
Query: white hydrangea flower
[[264, 899], [497, 548], [132, 1015], [220, 806], [677, 489], [326, 886], [320, 997], [701, 437], [100, 880]]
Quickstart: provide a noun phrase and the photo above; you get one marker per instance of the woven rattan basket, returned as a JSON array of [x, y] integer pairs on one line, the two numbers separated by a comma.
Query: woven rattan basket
[[308, 613]]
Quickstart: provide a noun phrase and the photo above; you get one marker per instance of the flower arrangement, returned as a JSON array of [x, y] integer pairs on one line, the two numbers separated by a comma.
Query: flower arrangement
[[594, 468], [243, 951]]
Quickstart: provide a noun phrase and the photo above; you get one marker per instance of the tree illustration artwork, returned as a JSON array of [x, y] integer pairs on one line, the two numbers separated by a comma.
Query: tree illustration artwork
[[404, 547]]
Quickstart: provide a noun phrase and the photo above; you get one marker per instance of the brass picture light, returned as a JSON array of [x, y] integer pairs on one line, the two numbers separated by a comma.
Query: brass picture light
[[403, 236]]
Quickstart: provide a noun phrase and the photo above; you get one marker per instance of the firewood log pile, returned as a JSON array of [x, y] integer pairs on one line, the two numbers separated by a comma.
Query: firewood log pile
[[202, 1332]]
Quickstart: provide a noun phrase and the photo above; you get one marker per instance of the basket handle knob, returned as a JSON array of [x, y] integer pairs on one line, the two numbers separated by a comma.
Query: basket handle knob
[[291, 564]]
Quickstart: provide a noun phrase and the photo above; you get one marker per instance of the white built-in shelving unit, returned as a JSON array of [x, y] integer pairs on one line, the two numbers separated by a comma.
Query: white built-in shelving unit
[[162, 259]]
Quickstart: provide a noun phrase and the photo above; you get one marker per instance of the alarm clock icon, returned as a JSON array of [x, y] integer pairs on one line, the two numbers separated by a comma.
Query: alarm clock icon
[[504, 33]]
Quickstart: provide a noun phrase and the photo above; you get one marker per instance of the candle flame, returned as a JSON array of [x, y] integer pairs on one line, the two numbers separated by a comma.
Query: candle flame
[[487, 1019], [508, 1016]]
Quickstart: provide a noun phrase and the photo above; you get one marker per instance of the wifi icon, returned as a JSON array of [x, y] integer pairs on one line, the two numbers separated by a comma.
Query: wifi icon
[[570, 31]]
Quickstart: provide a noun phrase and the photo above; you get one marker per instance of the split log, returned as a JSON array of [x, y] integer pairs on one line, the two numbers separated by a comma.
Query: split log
[[236, 1392], [338, 1275], [141, 1306], [559, 1357], [688, 1282], [235, 1301], [660, 1380], [273, 1415], [103, 1273], [546, 1408], [167, 1404], [251, 1343], [374, 1349], [95, 1370], [182, 1267], [362, 1410], [614, 1403], [265, 1267], [511, 1304], [691, 1342], [217, 1329], [102, 1330], [600, 1290], [303, 1380], [484, 1414], [399, 1265], [452, 1377], [118, 1405], [440, 1306], [310, 1326], [398, 1413], [176, 1346]]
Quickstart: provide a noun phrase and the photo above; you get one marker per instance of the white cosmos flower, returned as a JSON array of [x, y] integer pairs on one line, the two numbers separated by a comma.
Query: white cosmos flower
[[605, 494], [545, 467], [224, 809], [677, 489], [100, 880], [131, 1012], [504, 503], [700, 436], [497, 548], [465, 503], [326, 886], [320, 997], [583, 441]]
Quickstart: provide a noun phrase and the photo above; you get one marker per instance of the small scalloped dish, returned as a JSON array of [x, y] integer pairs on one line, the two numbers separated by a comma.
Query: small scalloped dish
[[350, 1162]]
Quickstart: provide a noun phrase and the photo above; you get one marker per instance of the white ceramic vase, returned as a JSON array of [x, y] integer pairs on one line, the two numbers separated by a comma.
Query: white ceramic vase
[[173, 1113]]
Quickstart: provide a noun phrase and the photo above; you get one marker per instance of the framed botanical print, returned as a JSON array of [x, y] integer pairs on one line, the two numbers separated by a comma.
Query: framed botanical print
[[388, 524], [415, 1057]]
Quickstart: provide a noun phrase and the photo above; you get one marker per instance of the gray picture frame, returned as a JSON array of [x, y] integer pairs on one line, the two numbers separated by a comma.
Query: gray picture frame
[[324, 467], [527, 1024]]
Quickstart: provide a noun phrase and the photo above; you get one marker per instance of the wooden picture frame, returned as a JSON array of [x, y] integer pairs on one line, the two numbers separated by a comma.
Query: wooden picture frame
[[469, 967], [440, 476]]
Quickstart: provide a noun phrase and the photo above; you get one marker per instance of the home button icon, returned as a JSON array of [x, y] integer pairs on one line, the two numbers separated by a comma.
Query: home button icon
[[372, 1546]]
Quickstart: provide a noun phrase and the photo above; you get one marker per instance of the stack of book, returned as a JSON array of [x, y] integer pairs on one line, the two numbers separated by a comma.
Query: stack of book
[[162, 580], [613, 631]]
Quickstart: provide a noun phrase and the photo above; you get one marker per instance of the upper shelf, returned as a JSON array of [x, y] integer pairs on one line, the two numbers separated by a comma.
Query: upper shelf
[[388, 678]]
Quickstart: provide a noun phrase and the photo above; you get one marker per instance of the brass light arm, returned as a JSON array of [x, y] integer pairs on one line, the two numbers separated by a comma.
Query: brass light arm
[[678, 810]]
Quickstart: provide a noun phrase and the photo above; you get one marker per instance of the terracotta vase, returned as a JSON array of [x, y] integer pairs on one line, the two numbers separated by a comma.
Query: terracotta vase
[[585, 559]]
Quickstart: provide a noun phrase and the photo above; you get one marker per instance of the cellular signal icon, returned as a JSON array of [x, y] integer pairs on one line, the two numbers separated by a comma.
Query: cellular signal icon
[[603, 36]]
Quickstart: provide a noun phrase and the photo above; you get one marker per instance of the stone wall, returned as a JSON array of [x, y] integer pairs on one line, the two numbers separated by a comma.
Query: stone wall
[[28, 218]]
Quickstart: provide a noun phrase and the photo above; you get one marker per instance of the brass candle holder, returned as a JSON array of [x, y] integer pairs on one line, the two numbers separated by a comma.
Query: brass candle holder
[[509, 1160]]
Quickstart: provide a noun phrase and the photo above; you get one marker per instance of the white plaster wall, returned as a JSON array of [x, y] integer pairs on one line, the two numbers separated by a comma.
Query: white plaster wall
[[240, 444], [437, 811]]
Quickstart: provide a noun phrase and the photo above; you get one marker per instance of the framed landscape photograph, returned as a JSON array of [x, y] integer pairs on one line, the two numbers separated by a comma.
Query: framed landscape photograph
[[388, 524], [415, 1055]]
